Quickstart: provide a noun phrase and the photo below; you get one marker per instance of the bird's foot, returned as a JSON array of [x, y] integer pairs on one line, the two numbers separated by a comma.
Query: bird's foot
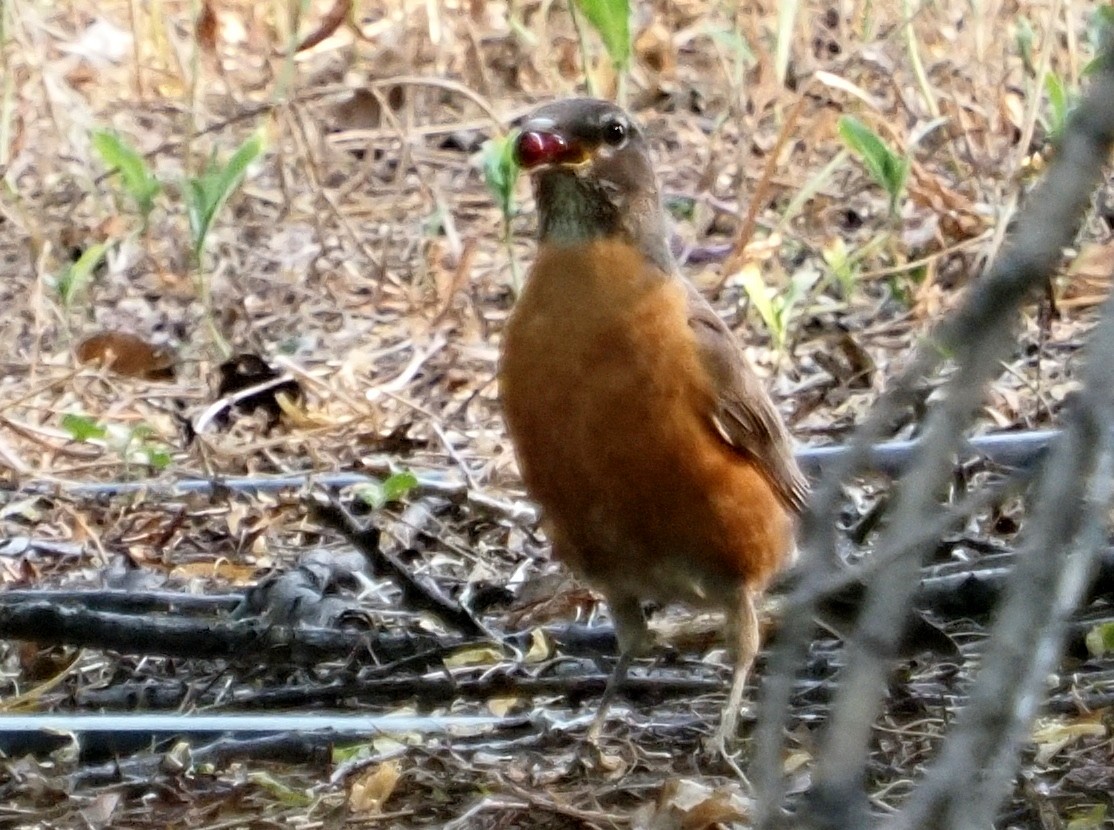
[[595, 758], [724, 746]]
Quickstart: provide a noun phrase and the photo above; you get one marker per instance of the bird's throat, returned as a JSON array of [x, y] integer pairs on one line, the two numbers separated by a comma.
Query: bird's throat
[[572, 209], [576, 209]]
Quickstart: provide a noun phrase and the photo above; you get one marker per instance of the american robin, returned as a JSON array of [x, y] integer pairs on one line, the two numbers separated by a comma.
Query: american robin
[[663, 470]]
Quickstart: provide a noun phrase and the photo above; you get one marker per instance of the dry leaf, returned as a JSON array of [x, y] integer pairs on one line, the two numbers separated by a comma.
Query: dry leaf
[[795, 761], [1052, 735], [40, 663], [222, 569], [605, 78], [566, 57], [655, 50], [686, 804], [102, 43], [360, 111], [206, 29], [234, 519], [1088, 279], [370, 792], [1011, 109], [762, 91], [101, 809], [481, 655], [541, 648], [501, 706], [126, 354], [957, 215]]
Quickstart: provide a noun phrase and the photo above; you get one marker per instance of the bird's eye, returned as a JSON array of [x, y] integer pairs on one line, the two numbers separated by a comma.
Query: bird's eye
[[615, 133]]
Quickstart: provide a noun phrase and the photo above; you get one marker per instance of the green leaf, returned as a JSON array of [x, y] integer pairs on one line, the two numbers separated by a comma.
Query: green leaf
[[866, 144], [501, 171], [1057, 105], [378, 494], [1023, 37], [888, 168], [117, 154], [279, 790], [1100, 639], [900, 290], [399, 485], [799, 286], [79, 274], [681, 207], [83, 428], [207, 193], [611, 18], [838, 258], [1090, 818], [759, 295], [1057, 95], [158, 457]]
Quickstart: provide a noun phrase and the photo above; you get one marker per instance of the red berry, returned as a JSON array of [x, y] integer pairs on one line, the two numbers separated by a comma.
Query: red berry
[[534, 149]]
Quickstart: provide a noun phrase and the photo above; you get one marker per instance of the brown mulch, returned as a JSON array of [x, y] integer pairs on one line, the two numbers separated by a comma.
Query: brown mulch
[[363, 256]]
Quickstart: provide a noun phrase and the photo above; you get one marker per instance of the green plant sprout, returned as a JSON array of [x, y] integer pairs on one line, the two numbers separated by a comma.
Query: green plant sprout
[[903, 286], [378, 494], [776, 310], [1060, 104], [846, 265], [887, 168], [611, 20], [134, 445], [77, 275], [205, 195], [1024, 36], [500, 175], [1100, 639], [138, 179]]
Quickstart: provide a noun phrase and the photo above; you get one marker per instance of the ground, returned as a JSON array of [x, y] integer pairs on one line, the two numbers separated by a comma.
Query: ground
[[364, 254]]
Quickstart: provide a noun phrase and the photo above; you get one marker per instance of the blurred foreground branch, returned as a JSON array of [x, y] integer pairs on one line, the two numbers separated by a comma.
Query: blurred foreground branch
[[1063, 533]]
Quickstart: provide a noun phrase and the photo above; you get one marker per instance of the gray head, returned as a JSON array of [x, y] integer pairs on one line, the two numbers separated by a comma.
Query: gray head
[[592, 176]]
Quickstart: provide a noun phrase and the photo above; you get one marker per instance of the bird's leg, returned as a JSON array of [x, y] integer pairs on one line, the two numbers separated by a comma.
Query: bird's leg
[[742, 642], [632, 633]]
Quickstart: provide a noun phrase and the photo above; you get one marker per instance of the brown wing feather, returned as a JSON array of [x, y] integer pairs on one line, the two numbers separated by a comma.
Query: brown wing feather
[[744, 415]]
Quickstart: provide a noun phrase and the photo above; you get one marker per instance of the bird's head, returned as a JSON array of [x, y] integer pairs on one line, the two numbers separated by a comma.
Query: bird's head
[[592, 176]]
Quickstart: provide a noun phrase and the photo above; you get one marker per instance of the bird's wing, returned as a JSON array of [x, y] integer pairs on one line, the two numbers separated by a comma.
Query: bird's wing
[[744, 415]]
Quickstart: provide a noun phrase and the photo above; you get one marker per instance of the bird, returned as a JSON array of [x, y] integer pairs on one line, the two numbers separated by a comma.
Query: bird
[[663, 470]]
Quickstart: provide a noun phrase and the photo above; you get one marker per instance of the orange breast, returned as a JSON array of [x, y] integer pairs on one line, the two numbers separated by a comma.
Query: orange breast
[[610, 410]]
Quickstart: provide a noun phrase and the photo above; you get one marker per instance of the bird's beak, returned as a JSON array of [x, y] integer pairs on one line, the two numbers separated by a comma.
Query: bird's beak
[[539, 145]]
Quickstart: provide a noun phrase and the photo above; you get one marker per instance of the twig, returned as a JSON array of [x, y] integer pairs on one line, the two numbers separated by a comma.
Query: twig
[[415, 594], [758, 197]]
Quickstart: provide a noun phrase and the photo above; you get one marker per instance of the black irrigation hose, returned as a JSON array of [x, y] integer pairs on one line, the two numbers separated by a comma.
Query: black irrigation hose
[[1010, 449], [99, 736]]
